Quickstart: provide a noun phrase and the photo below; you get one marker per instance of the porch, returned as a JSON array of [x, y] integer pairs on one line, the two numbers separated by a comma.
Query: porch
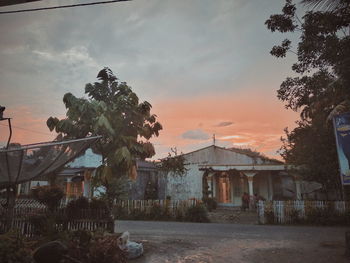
[[227, 183]]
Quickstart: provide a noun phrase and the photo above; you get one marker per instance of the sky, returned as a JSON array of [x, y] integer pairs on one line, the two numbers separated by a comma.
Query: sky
[[203, 65]]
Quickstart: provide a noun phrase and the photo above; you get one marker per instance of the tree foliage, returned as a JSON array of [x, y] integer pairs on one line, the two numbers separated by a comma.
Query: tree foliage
[[320, 86], [173, 163], [113, 111]]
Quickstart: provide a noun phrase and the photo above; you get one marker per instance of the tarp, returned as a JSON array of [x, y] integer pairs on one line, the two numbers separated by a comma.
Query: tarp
[[342, 133], [24, 163]]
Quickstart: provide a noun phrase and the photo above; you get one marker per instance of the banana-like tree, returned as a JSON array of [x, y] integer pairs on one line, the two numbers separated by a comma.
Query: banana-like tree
[[113, 111]]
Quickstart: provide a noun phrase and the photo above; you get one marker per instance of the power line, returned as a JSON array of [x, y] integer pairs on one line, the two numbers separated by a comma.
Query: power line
[[27, 129], [59, 7]]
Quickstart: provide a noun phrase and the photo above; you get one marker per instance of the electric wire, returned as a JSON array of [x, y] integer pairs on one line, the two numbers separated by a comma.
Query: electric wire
[[60, 7], [43, 133]]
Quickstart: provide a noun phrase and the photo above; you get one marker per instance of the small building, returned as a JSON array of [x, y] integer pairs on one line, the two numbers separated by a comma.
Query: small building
[[229, 173]]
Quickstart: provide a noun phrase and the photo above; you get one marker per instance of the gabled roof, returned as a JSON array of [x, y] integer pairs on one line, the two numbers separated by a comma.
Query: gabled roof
[[248, 152]]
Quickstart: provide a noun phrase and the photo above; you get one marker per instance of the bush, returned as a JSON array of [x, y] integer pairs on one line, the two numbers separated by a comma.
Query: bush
[[295, 216], [95, 248], [270, 217], [13, 248], [325, 216], [210, 203], [120, 212], [156, 212], [50, 196], [98, 204], [74, 207], [197, 213], [138, 214]]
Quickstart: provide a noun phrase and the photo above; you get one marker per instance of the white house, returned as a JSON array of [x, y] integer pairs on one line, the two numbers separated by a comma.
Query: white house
[[230, 173]]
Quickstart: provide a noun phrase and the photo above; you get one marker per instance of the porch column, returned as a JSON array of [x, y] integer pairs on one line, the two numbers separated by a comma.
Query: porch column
[[298, 188], [269, 178], [213, 179], [210, 184], [250, 176]]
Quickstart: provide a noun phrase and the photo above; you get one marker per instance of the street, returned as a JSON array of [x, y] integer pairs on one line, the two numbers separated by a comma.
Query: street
[[210, 242]]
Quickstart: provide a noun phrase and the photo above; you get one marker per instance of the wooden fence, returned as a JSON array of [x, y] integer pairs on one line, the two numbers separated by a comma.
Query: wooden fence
[[174, 206], [26, 210], [286, 212]]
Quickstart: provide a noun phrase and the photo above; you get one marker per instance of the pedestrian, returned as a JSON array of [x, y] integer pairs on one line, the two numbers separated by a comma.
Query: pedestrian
[[245, 201]]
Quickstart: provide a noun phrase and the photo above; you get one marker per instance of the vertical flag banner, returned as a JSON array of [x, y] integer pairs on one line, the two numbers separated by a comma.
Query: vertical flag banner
[[342, 133]]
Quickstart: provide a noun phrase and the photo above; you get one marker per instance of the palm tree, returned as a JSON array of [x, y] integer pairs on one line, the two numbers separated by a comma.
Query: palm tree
[[327, 5]]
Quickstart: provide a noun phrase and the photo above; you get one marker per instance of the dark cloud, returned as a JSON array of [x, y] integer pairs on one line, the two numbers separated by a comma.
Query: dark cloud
[[197, 134], [224, 124]]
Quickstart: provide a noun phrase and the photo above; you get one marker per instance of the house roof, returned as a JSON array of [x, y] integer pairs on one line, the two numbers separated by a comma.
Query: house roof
[[247, 152]]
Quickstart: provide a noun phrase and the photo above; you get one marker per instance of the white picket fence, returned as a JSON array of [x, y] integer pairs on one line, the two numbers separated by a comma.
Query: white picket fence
[[283, 212], [145, 205], [25, 209]]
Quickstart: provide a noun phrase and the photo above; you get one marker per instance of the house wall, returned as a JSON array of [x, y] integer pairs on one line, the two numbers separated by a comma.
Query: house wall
[[186, 186]]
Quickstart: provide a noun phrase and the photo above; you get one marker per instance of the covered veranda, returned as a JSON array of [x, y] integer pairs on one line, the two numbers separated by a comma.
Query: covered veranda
[[227, 183]]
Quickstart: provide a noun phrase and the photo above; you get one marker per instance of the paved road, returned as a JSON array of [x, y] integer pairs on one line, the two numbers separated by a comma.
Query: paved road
[[198, 242]]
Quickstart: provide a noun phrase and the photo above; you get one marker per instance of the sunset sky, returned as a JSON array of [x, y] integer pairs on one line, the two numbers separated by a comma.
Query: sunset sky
[[203, 65]]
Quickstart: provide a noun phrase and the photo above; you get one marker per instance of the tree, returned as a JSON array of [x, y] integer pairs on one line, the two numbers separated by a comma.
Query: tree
[[321, 87], [113, 111]]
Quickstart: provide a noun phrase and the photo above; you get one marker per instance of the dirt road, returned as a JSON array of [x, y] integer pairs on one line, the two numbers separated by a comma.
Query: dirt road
[[172, 242]]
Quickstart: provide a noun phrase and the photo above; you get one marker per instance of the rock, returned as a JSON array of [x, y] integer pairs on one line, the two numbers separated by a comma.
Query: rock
[[52, 252], [134, 249]]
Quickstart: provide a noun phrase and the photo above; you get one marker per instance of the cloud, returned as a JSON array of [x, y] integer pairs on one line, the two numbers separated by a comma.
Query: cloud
[[228, 137], [197, 134], [224, 124]]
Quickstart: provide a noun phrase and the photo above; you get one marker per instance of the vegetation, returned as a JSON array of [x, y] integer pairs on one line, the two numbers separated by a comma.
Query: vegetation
[[50, 196], [321, 85], [94, 247], [174, 163], [14, 248], [195, 213], [113, 111]]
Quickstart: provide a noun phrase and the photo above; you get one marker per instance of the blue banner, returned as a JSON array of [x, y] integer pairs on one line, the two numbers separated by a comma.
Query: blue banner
[[342, 133]]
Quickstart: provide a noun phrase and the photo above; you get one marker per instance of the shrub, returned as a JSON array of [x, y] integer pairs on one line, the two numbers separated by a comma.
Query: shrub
[[210, 203], [50, 196], [13, 248], [138, 214], [74, 207], [120, 212], [197, 213], [95, 248], [156, 212], [295, 216], [105, 249], [98, 204], [269, 217]]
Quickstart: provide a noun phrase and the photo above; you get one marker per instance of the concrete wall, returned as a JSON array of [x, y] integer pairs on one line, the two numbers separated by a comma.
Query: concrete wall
[[186, 186]]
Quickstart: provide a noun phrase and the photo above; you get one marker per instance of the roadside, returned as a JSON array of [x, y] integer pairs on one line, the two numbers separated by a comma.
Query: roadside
[[233, 215], [194, 242]]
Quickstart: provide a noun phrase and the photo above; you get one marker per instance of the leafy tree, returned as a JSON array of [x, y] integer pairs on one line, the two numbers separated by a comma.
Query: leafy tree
[[321, 87], [113, 111], [174, 163]]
